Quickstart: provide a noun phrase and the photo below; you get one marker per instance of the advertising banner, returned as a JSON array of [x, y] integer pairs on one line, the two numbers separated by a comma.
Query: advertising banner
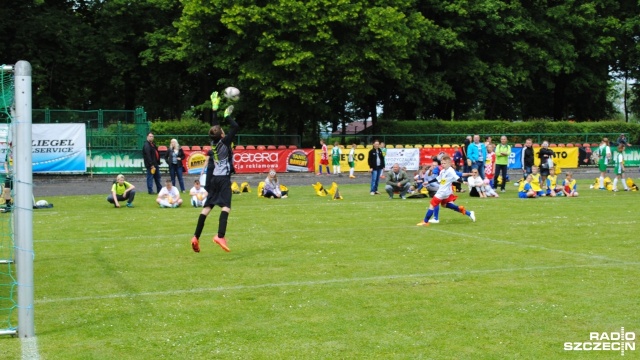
[[116, 162], [564, 157], [408, 159], [631, 156], [56, 148], [360, 160], [427, 154], [257, 161]]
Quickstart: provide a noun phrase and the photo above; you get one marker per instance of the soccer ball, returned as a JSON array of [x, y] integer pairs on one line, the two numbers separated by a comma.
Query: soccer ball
[[232, 93], [42, 203]]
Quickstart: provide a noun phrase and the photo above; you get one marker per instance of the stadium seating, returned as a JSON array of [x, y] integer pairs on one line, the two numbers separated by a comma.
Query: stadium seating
[[271, 147], [437, 146], [206, 148], [518, 145], [536, 145], [417, 146], [185, 148], [569, 145], [250, 147], [162, 148], [359, 146], [196, 148], [427, 146], [408, 146], [239, 147], [292, 147], [397, 147], [282, 147], [261, 147], [446, 146]]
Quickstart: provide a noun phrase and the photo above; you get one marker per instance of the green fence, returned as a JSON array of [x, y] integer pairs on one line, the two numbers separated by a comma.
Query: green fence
[[422, 139]]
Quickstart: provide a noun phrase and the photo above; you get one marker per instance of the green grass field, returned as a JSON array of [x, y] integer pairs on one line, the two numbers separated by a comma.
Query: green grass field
[[312, 278]]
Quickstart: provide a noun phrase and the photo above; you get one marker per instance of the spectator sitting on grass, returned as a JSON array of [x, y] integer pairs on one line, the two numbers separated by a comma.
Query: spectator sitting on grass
[[121, 191]]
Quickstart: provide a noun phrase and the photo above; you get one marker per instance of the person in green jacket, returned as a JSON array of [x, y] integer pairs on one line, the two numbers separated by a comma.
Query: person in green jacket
[[503, 150]]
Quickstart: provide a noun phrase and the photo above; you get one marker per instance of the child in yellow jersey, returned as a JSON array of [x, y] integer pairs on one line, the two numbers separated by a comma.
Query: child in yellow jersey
[[525, 190], [569, 187], [535, 181], [553, 187]]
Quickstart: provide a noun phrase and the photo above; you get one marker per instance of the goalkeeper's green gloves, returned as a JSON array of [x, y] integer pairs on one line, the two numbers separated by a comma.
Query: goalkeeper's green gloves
[[228, 111], [215, 100]]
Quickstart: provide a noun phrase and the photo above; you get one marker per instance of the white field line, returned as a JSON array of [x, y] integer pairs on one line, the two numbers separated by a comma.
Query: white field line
[[29, 348], [320, 282], [537, 247]]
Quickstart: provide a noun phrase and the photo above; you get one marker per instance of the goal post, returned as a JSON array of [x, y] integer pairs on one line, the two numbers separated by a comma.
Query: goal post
[[17, 215], [23, 186]]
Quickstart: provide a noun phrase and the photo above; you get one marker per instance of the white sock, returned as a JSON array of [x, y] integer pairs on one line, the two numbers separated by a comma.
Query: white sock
[[615, 183], [601, 181], [351, 172], [625, 184], [164, 203]]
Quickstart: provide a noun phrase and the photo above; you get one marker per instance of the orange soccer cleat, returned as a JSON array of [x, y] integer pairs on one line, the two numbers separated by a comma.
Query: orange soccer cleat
[[222, 242], [195, 245]]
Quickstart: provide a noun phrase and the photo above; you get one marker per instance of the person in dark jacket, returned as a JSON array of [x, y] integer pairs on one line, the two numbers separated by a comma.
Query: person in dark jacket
[[174, 158], [152, 163], [526, 160], [376, 166]]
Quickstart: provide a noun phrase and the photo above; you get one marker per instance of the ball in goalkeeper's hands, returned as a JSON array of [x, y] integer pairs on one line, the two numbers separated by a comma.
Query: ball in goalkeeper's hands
[[232, 93]]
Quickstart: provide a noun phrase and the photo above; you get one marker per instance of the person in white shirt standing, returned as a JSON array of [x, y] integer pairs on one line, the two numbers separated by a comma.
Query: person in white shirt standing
[[444, 196]]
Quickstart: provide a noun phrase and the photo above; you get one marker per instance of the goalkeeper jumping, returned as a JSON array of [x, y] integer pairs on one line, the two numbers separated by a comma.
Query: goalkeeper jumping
[[219, 170]]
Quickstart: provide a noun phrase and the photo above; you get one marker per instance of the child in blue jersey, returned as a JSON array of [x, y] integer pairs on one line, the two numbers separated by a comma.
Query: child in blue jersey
[[569, 186], [525, 189], [445, 195], [619, 169]]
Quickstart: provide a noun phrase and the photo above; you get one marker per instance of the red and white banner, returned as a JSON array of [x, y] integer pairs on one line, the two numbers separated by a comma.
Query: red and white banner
[[258, 161]]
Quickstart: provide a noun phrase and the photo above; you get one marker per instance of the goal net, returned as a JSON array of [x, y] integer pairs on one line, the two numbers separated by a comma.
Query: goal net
[[8, 282]]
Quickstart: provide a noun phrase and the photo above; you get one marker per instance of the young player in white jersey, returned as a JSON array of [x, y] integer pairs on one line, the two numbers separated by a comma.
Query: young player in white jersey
[[619, 169], [444, 196], [352, 161], [604, 155], [198, 194], [336, 154]]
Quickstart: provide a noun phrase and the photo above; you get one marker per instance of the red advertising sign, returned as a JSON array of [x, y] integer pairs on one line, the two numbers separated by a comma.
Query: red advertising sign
[[427, 154], [259, 161]]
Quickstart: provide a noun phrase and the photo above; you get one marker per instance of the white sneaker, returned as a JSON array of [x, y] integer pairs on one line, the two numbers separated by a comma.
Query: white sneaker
[[516, 184], [472, 215], [434, 221], [372, 193]]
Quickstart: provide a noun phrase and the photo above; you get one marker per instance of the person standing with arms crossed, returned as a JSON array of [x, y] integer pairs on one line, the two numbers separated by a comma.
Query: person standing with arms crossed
[[221, 165], [152, 163], [503, 150]]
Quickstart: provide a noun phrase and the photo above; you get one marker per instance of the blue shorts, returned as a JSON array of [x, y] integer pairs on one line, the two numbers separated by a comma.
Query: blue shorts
[[522, 194]]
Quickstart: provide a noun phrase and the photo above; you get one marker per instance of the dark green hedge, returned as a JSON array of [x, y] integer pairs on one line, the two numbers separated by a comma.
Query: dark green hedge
[[454, 132]]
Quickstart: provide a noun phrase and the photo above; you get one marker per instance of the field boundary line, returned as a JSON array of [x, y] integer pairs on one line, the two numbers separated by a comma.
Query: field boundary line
[[321, 282], [29, 348], [538, 247]]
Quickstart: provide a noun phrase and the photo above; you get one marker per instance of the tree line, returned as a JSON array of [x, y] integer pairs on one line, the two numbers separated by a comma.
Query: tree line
[[300, 63]]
